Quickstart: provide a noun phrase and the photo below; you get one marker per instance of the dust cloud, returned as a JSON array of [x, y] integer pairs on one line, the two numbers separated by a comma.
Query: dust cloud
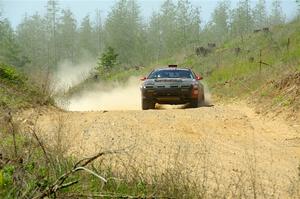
[[117, 97], [120, 97], [101, 96], [207, 94], [70, 74]]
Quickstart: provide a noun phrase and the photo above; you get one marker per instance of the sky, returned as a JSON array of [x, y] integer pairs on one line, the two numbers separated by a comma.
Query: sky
[[15, 10]]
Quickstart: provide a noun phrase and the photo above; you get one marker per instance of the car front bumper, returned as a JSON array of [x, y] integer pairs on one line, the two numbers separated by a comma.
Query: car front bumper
[[169, 95]]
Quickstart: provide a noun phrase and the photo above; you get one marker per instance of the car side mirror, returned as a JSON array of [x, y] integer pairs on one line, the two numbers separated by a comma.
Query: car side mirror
[[198, 77], [143, 78]]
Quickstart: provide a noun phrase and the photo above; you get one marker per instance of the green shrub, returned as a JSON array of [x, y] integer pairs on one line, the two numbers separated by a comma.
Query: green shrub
[[107, 61], [9, 73]]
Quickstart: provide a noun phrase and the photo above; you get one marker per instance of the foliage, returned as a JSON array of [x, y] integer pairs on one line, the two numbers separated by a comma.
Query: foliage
[[67, 35], [107, 61], [17, 91], [242, 21], [277, 16], [220, 20], [260, 16], [9, 48], [9, 73], [85, 35], [43, 41], [123, 31]]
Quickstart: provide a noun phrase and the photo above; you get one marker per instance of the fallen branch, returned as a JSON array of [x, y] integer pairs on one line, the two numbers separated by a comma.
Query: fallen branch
[[86, 161], [261, 62], [91, 172], [41, 145], [79, 166]]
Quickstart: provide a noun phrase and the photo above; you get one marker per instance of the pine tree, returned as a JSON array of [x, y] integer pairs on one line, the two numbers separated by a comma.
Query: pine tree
[[220, 20], [52, 19], [10, 52], [169, 28], [241, 19], [32, 36], [123, 31], [1, 11], [107, 61], [99, 32], [195, 29], [277, 17], [188, 23], [86, 35], [154, 38], [298, 3], [260, 16], [67, 36]]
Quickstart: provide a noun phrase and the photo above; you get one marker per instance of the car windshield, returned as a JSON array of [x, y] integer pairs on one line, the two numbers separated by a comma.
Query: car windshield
[[186, 74]]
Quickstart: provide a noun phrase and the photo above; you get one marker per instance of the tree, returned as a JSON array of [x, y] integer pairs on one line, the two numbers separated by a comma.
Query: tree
[[154, 38], [66, 36], [220, 20], [298, 2], [51, 21], [32, 37], [169, 28], [1, 10], [277, 17], [99, 32], [188, 23], [107, 61], [10, 51], [241, 22], [123, 31], [86, 36], [260, 16]]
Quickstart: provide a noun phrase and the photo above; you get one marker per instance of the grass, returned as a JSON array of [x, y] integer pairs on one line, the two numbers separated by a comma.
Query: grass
[[229, 75], [28, 167], [36, 167], [16, 91]]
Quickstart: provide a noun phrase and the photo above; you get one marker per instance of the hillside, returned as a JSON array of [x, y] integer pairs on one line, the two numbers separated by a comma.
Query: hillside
[[262, 67], [71, 118], [17, 92], [163, 153]]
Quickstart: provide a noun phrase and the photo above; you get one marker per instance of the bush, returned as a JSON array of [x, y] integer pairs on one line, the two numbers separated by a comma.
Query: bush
[[16, 91], [9, 73], [107, 61]]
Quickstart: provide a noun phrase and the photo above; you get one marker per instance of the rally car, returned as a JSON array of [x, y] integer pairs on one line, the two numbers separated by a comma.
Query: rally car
[[172, 85]]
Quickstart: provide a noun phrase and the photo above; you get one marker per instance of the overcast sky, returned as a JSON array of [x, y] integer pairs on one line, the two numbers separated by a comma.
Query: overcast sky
[[15, 10]]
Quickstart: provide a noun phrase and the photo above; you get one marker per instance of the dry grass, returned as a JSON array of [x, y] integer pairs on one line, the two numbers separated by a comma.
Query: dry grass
[[43, 170]]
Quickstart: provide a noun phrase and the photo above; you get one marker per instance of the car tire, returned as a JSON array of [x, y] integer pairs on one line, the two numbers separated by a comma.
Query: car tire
[[147, 104], [201, 100], [194, 103]]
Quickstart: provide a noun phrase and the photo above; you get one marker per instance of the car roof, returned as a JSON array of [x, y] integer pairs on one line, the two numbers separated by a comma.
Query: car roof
[[172, 68]]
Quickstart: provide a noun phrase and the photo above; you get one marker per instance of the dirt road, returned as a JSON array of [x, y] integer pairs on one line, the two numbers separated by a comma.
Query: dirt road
[[226, 139]]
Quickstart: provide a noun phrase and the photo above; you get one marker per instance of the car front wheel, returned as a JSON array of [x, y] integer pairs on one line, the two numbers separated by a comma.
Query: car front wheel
[[147, 104], [194, 103]]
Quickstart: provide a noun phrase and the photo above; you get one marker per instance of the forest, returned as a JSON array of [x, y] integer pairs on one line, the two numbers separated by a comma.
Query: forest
[[41, 42], [93, 140]]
